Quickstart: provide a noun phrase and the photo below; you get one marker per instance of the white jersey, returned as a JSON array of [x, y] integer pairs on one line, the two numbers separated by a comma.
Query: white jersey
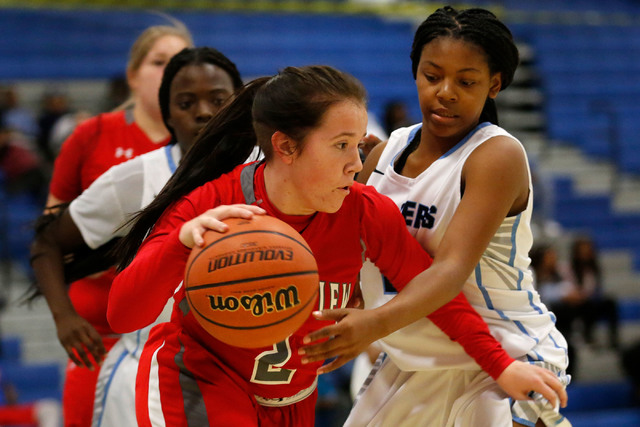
[[501, 286]]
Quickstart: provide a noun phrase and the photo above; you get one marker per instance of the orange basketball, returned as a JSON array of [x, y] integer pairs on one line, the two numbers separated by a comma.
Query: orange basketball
[[254, 285]]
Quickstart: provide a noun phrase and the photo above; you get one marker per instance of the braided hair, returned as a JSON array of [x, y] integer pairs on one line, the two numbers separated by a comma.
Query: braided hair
[[480, 27]]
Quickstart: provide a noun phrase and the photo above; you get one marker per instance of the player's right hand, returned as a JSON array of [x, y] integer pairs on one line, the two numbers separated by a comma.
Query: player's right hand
[[192, 231]]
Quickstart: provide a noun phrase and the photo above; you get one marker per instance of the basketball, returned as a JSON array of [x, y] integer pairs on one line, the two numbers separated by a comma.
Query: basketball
[[254, 285]]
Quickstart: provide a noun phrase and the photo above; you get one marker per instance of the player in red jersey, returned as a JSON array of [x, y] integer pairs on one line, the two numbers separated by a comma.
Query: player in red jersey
[[96, 145], [309, 123]]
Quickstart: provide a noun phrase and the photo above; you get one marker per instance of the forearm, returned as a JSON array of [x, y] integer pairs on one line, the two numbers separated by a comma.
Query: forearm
[[140, 291], [424, 294], [459, 320], [48, 266]]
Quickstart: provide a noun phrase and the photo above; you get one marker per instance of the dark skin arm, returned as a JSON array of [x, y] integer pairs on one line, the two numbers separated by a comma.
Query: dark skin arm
[[77, 336]]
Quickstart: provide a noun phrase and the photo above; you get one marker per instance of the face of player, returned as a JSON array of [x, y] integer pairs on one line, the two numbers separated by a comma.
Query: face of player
[[453, 82], [145, 81], [324, 170], [197, 92]]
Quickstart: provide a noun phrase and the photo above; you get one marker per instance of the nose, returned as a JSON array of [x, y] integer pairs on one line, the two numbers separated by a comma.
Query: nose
[[446, 91], [355, 163], [205, 111]]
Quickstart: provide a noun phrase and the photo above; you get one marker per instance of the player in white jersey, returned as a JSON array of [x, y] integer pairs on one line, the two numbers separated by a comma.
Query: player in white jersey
[[196, 83], [464, 187]]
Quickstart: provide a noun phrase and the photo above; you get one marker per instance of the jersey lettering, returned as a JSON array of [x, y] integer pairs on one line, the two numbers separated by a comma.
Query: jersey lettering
[[267, 368], [333, 295], [417, 215]]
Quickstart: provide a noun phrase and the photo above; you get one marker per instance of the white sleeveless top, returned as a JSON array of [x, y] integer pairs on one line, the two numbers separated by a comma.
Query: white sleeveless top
[[501, 286]]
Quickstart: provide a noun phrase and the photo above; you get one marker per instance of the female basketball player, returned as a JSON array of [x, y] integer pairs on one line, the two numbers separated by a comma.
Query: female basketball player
[[309, 123], [196, 82], [464, 188]]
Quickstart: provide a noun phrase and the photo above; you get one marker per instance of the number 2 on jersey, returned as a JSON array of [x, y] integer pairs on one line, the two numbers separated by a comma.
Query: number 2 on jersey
[[268, 366]]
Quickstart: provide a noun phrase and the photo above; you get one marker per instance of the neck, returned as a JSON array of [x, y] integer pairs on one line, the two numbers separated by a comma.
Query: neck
[[282, 191], [150, 125]]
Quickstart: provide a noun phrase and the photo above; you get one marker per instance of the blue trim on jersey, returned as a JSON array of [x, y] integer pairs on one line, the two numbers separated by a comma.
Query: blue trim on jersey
[[535, 307], [465, 139], [108, 384], [489, 304], [138, 333], [566, 350], [412, 135], [172, 163], [523, 421], [514, 230]]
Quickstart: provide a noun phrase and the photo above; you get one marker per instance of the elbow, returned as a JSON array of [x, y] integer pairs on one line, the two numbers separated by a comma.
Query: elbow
[[121, 321], [122, 315]]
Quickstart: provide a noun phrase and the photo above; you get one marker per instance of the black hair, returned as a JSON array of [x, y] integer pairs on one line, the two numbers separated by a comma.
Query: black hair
[[192, 56], [293, 102], [480, 27]]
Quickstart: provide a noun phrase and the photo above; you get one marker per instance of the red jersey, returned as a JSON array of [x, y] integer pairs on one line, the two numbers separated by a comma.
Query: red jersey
[[95, 145], [367, 225]]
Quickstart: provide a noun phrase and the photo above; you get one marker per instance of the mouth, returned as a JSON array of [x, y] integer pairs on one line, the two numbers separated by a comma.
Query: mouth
[[444, 113]]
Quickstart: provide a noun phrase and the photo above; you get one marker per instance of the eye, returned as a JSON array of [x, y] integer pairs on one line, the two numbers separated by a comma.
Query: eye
[[185, 105], [467, 82], [342, 145], [430, 77]]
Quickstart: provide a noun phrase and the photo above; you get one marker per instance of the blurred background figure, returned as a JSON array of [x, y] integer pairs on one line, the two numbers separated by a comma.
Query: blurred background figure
[[14, 115], [396, 115], [22, 168], [594, 304], [55, 105]]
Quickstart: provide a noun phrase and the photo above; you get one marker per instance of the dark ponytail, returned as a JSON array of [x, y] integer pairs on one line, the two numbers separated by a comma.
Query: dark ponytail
[[226, 142]]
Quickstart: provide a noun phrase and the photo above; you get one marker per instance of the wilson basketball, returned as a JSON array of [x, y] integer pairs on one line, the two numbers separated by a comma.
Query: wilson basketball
[[254, 285]]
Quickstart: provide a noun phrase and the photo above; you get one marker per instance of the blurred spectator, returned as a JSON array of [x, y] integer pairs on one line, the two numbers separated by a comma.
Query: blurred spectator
[[64, 127], [15, 116], [558, 293], [396, 115], [54, 106], [40, 413], [21, 166], [587, 277]]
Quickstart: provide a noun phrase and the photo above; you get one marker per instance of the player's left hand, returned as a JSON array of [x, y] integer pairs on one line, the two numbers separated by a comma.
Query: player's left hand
[[351, 335], [519, 379]]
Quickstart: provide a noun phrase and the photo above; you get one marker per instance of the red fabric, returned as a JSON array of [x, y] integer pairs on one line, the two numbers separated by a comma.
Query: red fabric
[[220, 387], [95, 145], [79, 392], [16, 161], [336, 241], [23, 415]]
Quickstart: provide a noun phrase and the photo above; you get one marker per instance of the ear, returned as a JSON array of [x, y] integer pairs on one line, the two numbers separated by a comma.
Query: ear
[[131, 79], [283, 146], [495, 84]]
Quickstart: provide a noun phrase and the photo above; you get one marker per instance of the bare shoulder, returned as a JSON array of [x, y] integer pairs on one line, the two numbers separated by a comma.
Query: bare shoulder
[[370, 163], [499, 153]]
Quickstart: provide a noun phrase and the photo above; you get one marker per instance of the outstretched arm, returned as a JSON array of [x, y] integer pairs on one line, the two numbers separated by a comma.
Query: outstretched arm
[[51, 243]]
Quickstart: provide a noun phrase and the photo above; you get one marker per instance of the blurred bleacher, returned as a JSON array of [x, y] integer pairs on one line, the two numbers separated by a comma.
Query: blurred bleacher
[[574, 107]]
